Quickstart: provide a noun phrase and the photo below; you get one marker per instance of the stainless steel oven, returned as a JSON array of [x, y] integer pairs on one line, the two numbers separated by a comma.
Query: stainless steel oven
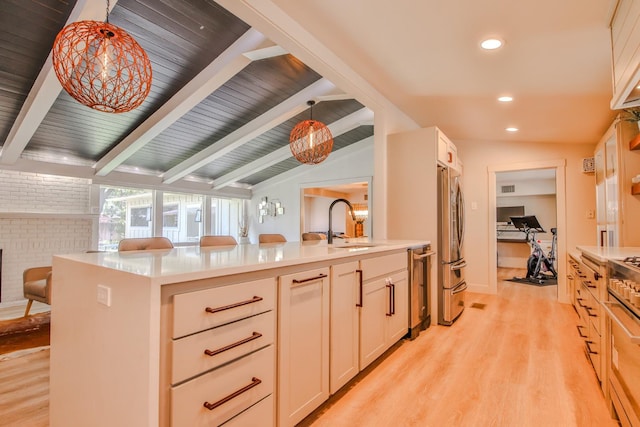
[[623, 308]]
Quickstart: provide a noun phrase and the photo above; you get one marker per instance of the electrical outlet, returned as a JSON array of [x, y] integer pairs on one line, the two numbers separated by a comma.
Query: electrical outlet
[[591, 214], [104, 295]]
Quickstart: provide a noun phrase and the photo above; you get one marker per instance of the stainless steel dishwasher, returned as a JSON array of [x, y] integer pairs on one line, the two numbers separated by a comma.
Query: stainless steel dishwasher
[[419, 289]]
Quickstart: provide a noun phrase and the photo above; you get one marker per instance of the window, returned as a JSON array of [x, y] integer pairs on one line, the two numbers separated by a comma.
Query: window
[[170, 216], [124, 212], [140, 217]]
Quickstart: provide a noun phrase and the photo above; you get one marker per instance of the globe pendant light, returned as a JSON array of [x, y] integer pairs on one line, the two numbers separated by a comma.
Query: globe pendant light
[[101, 66], [310, 141]]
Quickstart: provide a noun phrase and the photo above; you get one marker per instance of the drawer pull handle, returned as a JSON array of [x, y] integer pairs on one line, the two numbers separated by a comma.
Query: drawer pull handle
[[580, 331], [318, 277], [211, 406], [230, 306], [589, 347], [589, 312], [253, 336], [588, 284]]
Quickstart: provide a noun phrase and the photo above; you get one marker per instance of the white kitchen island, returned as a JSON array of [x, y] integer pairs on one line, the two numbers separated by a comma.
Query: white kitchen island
[[124, 326]]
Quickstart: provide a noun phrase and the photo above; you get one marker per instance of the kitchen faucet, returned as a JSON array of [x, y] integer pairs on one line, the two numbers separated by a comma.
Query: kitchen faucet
[[353, 215]]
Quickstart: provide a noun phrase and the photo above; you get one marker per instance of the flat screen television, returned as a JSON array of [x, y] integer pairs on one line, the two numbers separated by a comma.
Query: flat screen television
[[504, 213]]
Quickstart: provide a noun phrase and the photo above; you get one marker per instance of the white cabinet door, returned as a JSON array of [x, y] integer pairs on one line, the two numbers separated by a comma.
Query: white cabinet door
[[345, 324], [398, 322], [303, 344], [375, 307]]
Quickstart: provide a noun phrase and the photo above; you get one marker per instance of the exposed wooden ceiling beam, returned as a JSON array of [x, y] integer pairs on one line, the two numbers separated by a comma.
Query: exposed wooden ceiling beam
[[45, 90], [361, 117], [278, 114], [223, 68]]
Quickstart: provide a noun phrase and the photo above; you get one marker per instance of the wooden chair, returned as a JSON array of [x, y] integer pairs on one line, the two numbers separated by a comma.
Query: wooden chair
[[313, 236], [36, 285], [271, 238], [217, 241], [144, 243]]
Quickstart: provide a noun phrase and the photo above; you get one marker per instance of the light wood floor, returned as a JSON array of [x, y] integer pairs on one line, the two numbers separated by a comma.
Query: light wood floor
[[515, 360], [512, 359]]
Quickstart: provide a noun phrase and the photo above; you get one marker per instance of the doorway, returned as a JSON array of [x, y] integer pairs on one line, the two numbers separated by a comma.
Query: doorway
[[551, 168], [524, 193], [317, 197]]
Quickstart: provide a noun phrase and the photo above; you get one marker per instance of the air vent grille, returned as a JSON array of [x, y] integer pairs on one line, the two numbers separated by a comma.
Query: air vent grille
[[588, 165], [508, 189]]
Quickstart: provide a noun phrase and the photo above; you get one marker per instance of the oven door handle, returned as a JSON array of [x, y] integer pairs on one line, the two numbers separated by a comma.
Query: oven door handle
[[459, 288], [458, 265], [608, 307], [423, 256]]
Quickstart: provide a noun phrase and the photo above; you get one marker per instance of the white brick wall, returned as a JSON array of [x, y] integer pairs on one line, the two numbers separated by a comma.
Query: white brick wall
[[32, 241]]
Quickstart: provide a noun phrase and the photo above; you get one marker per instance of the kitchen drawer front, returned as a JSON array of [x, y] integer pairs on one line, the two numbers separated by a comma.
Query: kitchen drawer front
[[383, 265], [261, 414], [228, 303], [226, 342], [253, 373]]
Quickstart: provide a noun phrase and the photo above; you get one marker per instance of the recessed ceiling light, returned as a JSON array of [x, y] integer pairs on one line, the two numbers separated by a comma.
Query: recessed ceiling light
[[511, 129], [491, 44], [505, 99]]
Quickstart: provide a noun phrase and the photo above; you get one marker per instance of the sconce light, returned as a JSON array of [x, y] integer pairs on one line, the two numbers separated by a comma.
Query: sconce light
[[267, 208]]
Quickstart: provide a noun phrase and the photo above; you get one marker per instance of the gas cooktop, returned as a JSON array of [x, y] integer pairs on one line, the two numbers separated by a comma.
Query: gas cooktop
[[633, 261]]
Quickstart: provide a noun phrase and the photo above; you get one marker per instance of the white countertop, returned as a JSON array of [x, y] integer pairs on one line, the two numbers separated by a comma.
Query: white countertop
[[165, 266], [602, 254]]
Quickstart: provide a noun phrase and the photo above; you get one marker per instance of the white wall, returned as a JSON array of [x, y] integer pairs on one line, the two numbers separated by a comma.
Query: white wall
[[354, 162], [478, 157], [40, 215]]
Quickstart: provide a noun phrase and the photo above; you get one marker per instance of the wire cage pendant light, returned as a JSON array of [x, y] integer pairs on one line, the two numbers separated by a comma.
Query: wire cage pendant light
[[310, 141], [102, 66]]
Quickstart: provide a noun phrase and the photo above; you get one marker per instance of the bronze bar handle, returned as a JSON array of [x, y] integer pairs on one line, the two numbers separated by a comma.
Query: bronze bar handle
[[211, 406], [580, 331], [318, 277], [588, 284], [253, 336], [589, 347], [570, 277], [589, 312], [230, 306], [393, 294], [390, 312], [602, 233], [359, 304], [580, 302]]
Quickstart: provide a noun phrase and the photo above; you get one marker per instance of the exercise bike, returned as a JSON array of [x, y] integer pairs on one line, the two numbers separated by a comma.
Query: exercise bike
[[540, 266]]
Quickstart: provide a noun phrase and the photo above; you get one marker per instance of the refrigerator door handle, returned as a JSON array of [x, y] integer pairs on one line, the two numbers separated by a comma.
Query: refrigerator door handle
[[458, 265], [460, 288]]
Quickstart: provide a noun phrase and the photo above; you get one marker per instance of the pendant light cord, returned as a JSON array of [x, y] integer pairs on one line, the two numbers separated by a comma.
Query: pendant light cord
[[107, 20]]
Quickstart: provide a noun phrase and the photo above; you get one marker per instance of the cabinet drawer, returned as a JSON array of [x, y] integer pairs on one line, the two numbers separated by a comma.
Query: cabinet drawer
[[231, 389], [224, 343], [383, 265], [200, 310], [261, 414]]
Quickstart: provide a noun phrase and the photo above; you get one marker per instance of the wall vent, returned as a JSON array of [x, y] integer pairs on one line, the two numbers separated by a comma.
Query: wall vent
[[508, 189], [588, 165]]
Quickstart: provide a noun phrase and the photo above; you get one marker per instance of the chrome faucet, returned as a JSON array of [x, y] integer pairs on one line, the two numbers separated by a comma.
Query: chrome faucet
[[353, 215]]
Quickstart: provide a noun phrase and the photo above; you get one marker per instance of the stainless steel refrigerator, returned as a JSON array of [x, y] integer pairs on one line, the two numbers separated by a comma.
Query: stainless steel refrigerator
[[451, 282]]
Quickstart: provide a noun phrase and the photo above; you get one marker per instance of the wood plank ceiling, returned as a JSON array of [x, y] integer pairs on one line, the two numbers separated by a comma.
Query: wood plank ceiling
[[221, 106]]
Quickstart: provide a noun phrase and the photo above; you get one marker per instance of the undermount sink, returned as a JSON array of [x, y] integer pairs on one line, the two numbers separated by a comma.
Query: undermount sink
[[355, 246]]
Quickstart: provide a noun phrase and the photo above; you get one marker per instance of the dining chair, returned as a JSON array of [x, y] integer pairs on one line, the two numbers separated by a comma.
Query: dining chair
[[271, 238], [217, 241], [36, 285], [144, 243], [313, 236]]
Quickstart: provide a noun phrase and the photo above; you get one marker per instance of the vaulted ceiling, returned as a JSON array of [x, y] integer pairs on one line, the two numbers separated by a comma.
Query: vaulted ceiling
[[223, 100], [225, 95]]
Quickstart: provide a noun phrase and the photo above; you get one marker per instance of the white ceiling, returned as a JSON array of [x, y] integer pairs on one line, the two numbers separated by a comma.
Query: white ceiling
[[424, 56]]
